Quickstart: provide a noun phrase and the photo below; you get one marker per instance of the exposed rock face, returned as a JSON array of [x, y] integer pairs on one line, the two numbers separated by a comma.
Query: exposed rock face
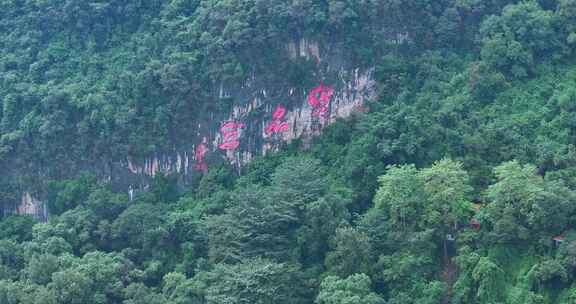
[[32, 206], [28, 205], [236, 144], [304, 48], [262, 118]]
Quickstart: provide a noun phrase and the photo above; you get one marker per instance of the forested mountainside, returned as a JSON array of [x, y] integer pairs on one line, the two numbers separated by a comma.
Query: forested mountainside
[[128, 89], [300, 151]]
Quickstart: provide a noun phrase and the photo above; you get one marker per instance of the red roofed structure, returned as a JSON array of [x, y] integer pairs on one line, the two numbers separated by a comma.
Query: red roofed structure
[[474, 224], [558, 240]]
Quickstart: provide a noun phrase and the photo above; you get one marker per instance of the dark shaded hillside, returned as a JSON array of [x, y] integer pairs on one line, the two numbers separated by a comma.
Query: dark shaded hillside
[[99, 85]]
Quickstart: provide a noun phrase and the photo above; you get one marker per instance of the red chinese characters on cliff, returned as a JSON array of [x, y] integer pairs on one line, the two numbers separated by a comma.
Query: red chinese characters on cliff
[[319, 99], [199, 155], [229, 131], [277, 125]]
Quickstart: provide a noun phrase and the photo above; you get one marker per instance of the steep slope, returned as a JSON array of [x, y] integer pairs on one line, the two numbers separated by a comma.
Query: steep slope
[[74, 106], [453, 179]]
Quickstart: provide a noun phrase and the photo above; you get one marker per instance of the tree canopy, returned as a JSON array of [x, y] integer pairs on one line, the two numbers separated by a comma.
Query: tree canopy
[[455, 184]]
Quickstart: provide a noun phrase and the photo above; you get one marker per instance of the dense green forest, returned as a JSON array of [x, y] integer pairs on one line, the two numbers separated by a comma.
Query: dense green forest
[[458, 185]]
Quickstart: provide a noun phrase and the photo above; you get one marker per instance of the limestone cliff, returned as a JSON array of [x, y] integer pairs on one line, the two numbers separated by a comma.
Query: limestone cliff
[[261, 118]]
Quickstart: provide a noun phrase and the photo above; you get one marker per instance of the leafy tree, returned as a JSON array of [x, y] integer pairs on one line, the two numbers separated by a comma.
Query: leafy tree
[[108, 273], [464, 287], [11, 259], [140, 226], [447, 188], [9, 292], [178, 289], [351, 254], [401, 195], [322, 218], [164, 188], [18, 228], [523, 33], [566, 11], [299, 180], [354, 289], [72, 287], [106, 204], [487, 274], [67, 194], [217, 179], [254, 281], [548, 270], [140, 293], [522, 204], [231, 235], [40, 268]]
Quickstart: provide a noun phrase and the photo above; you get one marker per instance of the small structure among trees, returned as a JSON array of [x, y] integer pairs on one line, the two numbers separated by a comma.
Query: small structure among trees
[[557, 240]]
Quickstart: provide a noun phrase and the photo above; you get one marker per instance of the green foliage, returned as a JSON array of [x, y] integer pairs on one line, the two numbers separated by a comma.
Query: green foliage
[[476, 102], [354, 289], [164, 188], [140, 225], [401, 193], [522, 34], [67, 194], [231, 235], [486, 273], [18, 228], [138, 293], [523, 205], [351, 254], [321, 220], [254, 281], [434, 197], [447, 188]]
